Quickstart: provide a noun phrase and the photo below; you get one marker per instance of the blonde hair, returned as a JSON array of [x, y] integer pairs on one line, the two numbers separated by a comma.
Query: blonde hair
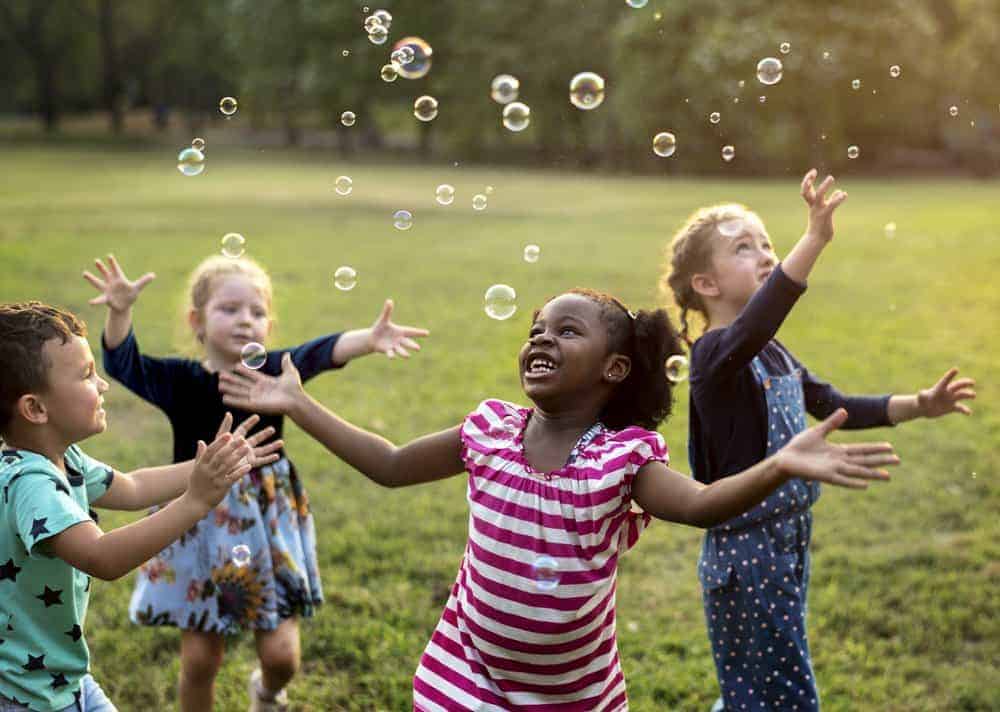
[[689, 253], [206, 276]]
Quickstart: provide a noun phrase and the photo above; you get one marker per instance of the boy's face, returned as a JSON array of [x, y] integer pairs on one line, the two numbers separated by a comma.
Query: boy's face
[[74, 397]]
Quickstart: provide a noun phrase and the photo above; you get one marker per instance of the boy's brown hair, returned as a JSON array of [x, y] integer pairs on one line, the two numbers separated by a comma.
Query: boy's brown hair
[[24, 329]]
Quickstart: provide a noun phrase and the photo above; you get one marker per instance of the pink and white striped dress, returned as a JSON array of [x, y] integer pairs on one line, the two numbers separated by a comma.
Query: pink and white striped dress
[[504, 641]]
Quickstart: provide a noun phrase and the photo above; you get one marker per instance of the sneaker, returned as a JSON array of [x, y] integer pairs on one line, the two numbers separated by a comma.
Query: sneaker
[[258, 703]]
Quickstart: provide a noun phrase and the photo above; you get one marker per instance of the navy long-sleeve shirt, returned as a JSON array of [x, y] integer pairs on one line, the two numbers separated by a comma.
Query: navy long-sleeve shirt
[[189, 395], [728, 411]]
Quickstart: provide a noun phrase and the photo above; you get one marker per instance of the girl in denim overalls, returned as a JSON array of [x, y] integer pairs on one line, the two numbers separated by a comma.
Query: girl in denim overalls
[[749, 397]]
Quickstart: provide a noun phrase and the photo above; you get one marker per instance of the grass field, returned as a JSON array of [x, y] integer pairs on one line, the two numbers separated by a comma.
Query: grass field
[[904, 607]]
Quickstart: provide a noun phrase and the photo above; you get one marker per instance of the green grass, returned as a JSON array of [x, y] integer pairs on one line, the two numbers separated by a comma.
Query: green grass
[[904, 606]]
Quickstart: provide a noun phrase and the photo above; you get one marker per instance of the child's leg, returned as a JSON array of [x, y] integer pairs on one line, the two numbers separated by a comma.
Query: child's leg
[[279, 654], [201, 658]]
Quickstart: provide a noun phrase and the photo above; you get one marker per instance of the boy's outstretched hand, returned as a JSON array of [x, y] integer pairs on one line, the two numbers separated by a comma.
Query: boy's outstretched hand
[[393, 339], [218, 466], [821, 206], [808, 455], [117, 290], [247, 389], [262, 452], [943, 397]]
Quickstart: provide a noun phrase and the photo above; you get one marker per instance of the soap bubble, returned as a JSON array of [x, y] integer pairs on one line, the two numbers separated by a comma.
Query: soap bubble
[[664, 144], [402, 56], [516, 116], [384, 17], [762, 99], [545, 571], [233, 245], [343, 185], [890, 230], [853, 152], [532, 253], [504, 88], [241, 555], [191, 161], [715, 117], [785, 48], [348, 118], [953, 111], [895, 71], [402, 219], [500, 302], [378, 35], [856, 84], [345, 53], [198, 144], [728, 153], [731, 228], [420, 65], [636, 3], [586, 91], [371, 22], [228, 105], [253, 355], [445, 194], [425, 107], [388, 73], [677, 368], [479, 202], [827, 56], [345, 278], [769, 71], [489, 190]]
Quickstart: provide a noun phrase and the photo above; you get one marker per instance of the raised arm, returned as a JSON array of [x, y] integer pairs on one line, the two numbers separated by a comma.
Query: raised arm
[[667, 494], [383, 336], [819, 230], [119, 294], [428, 458]]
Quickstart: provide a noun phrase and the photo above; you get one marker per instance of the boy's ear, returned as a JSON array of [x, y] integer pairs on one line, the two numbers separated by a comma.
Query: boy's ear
[[32, 409], [617, 368], [704, 284]]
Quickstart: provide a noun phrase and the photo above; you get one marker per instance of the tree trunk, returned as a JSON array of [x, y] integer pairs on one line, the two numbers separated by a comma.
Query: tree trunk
[[48, 93], [112, 73]]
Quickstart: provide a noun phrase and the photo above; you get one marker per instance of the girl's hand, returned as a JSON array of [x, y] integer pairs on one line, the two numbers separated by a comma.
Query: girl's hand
[[117, 291], [261, 454], [821, 207], [808, 455], [247, 389], [942, 398], [392, 339], [218, 466]]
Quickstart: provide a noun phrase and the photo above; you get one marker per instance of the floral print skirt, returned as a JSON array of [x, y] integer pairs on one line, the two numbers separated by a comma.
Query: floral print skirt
[[204, 582]]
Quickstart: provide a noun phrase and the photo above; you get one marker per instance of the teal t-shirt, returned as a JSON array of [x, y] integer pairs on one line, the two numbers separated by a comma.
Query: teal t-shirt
[[43, 600]]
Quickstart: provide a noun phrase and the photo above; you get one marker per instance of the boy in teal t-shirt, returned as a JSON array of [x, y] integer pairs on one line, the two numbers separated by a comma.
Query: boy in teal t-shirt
[[50, 545]]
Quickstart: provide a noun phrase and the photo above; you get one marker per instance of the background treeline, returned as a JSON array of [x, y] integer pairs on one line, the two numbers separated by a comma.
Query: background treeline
[[667, 67]]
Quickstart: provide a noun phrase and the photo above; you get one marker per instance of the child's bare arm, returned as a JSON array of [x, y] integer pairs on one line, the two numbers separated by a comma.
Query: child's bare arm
[[819, 232], [382, 337], [119, 294], [940, 399]]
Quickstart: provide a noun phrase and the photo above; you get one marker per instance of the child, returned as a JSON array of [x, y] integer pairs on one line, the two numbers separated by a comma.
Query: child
[[749, 398], [531, 616], [193, 585], [51, 398]]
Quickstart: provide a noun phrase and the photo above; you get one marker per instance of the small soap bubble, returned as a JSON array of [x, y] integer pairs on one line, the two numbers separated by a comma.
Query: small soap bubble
[[895, 71], [769, 71], [500, 302], [504, 88], [253, 355], [345, 53], [348, 118], [384, 17], [856, 84], [637, 3], [228, 105], [479, 202], [728, 153], [445, 194], [345, 278], [241, 555], [827, 56], [371, 21], [657, 15], [402, 56], [664, 144], [388, 73], [953, 111], [198, 144], [425, 108], [516, 116], [785, 47], [677, 368], [853, 152], [378, 35], [736, 100], [489, 190], [420, 64], [402, 219], [715, 117], [890, 230], [545, 571], [762, 99], [731, 228], [233, 245], [191, 161], [586, 90], [343, 185], [741, 83], [532, 253]]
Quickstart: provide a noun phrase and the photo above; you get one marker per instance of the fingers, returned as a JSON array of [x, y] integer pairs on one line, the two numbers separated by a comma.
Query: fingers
[[94, 281], [859, 472], [103, 299], [946, 378], [875, 460], [286, 365], [836, 199], [964, 395], [964, 410], [200, 450], [962, 383], [410, 344], [401, 351], [823, 187], [246, 426], [115, 268], [834, 421], [102, 269], [414, 331], [225, 425], [271, 447], [144, 280], [857, 449], [261, 436], [805, 190], [386, 312]]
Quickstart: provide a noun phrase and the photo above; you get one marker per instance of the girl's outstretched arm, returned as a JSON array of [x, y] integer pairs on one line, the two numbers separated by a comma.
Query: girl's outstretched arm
[[119, 293], [383, 336], [940, 399], [668, 494], [428, 458]]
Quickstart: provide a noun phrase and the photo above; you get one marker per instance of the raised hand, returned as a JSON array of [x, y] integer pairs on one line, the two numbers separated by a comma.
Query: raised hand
[[117, 290], [247, 389], [943, 397], [393, 339], [262, 454], [218, 466], [808, 455], [821, 206]]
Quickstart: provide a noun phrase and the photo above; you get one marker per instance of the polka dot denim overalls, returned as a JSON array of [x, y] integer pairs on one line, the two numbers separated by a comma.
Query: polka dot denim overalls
[[754, 572]]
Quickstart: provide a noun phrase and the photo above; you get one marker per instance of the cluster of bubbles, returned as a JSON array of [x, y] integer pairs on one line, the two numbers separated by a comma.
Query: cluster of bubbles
[[500, 302], [233, 245], [377, 26], [253, 355], [345, 278], [241, 555], [411, 57], [586, 90]]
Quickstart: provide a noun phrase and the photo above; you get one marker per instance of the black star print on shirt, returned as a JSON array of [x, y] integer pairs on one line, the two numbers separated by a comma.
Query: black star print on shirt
[[74, 632], [60, 487], [35, 663], [58, 680], [108, 478], [38, 527], [50, 597], [9, 571]]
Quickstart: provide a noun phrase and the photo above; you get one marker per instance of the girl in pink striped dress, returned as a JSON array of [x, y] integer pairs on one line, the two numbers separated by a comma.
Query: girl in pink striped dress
[[530, 622]]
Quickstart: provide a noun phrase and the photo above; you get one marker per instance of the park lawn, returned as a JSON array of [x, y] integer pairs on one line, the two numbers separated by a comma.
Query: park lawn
[[904, 607]]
